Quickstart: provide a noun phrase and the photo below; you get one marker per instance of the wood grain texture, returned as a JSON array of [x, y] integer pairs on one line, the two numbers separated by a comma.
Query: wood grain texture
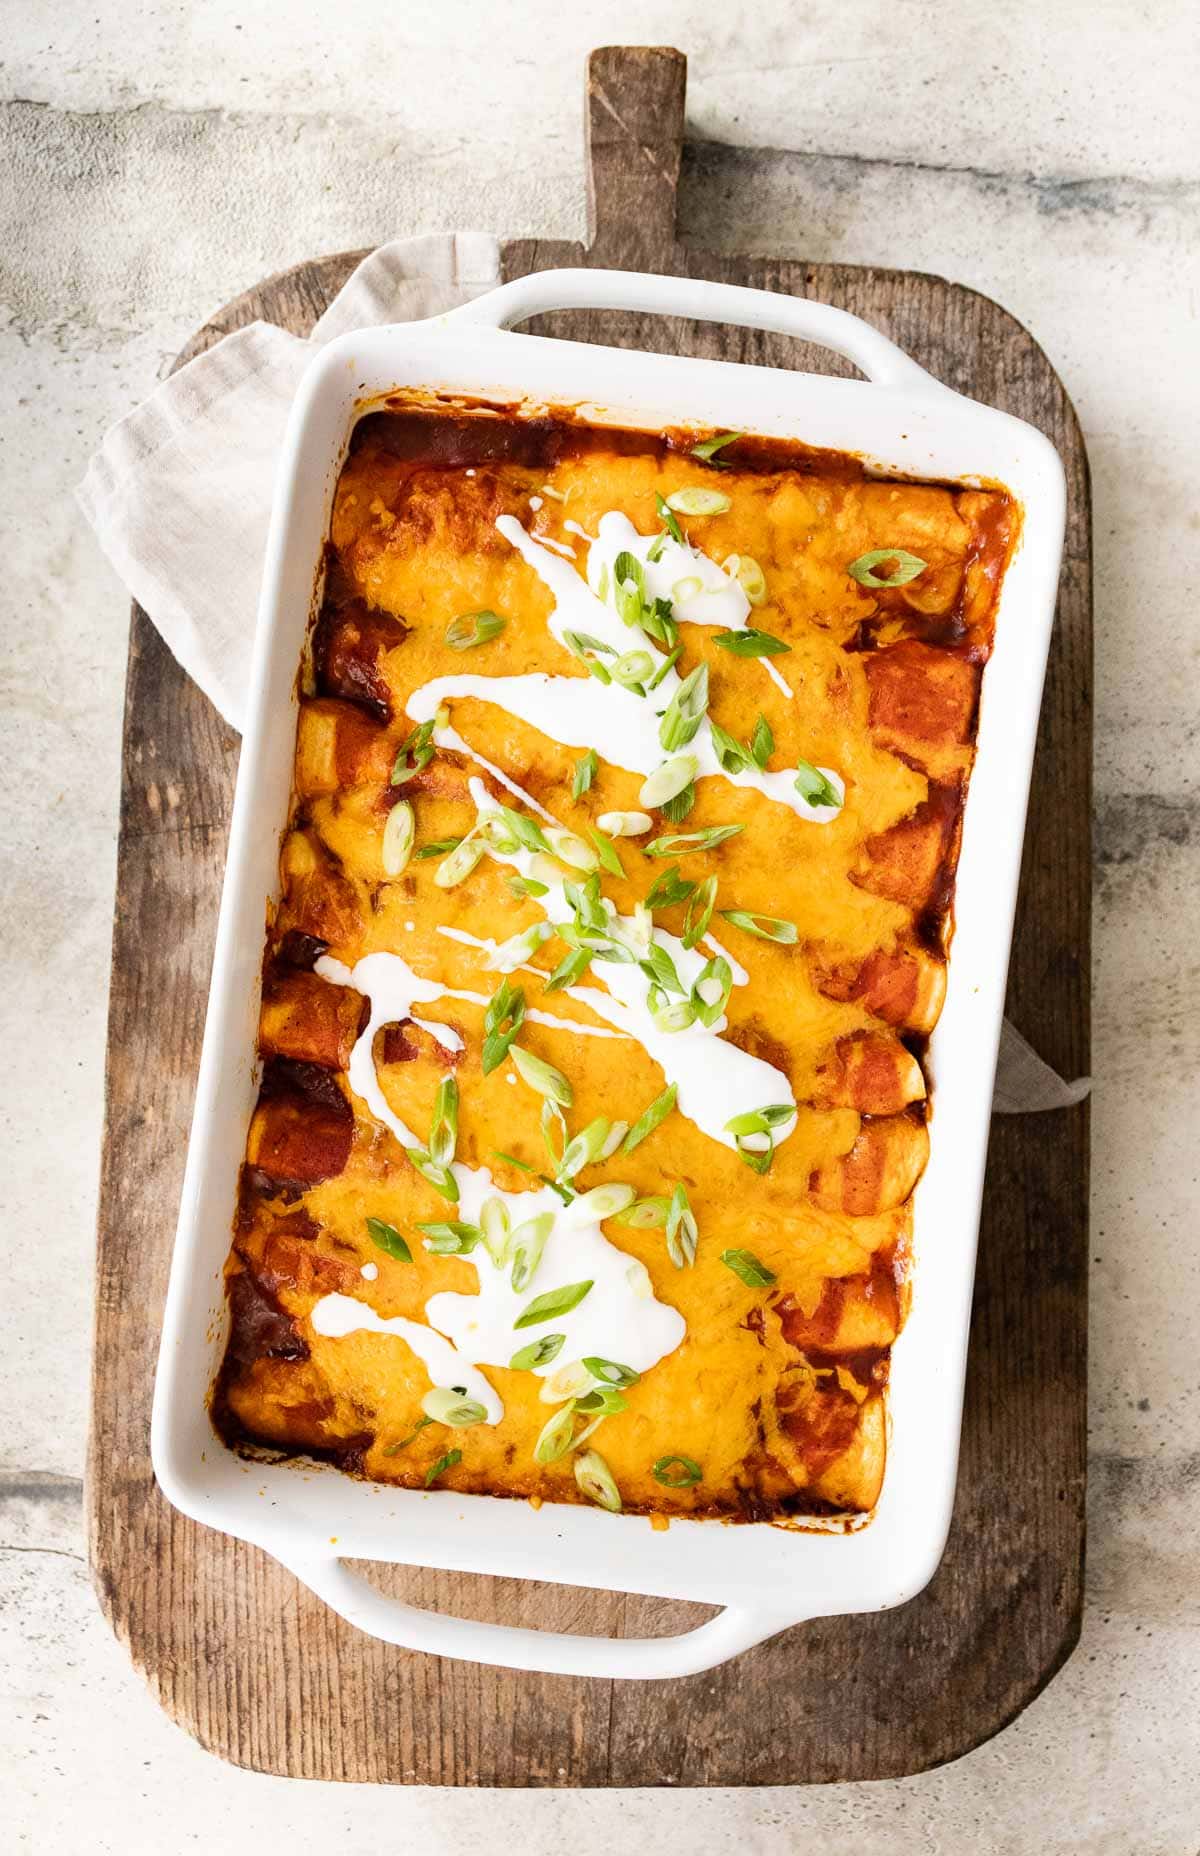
[[245, 1659]]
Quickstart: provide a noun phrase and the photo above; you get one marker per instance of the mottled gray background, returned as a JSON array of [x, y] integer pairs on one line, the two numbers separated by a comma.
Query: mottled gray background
[[157, 158]]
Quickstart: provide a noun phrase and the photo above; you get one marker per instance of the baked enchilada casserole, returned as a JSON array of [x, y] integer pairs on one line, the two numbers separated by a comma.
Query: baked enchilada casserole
[[615, 903]]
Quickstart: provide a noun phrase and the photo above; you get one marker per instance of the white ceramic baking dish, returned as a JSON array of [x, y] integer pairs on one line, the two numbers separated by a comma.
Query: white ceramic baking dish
[[766, 1577]]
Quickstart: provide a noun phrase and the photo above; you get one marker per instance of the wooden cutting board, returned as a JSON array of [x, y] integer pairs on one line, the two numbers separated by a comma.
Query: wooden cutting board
[[237, 1652]]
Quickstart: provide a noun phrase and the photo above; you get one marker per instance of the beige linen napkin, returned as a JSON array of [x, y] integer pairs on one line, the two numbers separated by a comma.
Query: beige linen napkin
[[179, 495]]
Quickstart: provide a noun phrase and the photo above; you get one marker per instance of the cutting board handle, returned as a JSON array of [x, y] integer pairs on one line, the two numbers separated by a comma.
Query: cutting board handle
[[546, 1652], [541, 291], [633, 132]]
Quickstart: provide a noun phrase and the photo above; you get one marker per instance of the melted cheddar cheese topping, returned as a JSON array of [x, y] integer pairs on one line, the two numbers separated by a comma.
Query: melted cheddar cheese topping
[[769, 1381]]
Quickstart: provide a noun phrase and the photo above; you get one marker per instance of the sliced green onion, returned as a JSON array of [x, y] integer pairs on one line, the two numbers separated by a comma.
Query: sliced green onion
[[679, 1015], [629, 588], [605, 851], [473, 628], [646, 1214], [668, 663], [682, 1232], [711, 990], [605, 1399], [761, 1120], [745, 1264], [708, 447], [749, 575], [685, 712], [607, 1201], [638, 1278], [625, 824], [907, 567], [666, 517], [695, 501], [437, 849], [556, 1436], [522, 886], [567, 1382], [398, 835], [446, 1406], [501, 1023], [450, 1239], [459, 865], [443, 1463], [527, 832], [668, 889], [439, 1177], [812, 785], [554, 1302], [495, 1228], [766, 927], [731, 755], [519, 948], [685, 589], [610, 1372], [414, 754], [525, 1247], [699, 912], [571, 968], [677, 809], [386, 1238], [677, 1472], [671, 778], [543, 1076], [655, 551], [595, 1480], [650, 1119], [584, 1148], [632, 669], [762, 743], [553, 1125], [538, 1353], [443, 1134], [659, 967], [681, 841], [583, 646], [616, 1135], [570, 849], [419, 1426], [750, 643], [585, 772], [657, 623]]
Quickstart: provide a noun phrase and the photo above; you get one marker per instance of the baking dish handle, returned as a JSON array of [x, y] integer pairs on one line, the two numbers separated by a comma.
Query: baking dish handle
[[507, 1646], [877, 357]]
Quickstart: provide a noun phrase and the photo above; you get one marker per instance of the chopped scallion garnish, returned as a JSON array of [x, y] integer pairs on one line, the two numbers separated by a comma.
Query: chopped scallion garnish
[[585, 772], [386, 1238], [553, 1302], [707, 449], [595, 1480], [679, 842], [676, 1472], [682, 1231], [745, 1264], [538, 1353], [906, 567], [699, 912], [542, 1076], [444, 1405], [650, 1119], [443, 1463], [766, 927], [473, 628], [814, 786], [501, 1023], [685, 711], [695, 501], [749, 643]]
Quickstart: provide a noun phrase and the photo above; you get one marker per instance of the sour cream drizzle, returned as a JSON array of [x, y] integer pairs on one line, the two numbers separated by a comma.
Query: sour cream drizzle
[[716, 1080], [578, 712], [718, 599], [617, 1319]]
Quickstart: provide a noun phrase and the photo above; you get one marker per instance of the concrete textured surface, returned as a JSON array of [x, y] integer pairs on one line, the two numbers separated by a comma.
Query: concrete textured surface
[[155, 159]]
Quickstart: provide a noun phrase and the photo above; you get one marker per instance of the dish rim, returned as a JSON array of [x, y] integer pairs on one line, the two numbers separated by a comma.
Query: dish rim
[[771, 1574]]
